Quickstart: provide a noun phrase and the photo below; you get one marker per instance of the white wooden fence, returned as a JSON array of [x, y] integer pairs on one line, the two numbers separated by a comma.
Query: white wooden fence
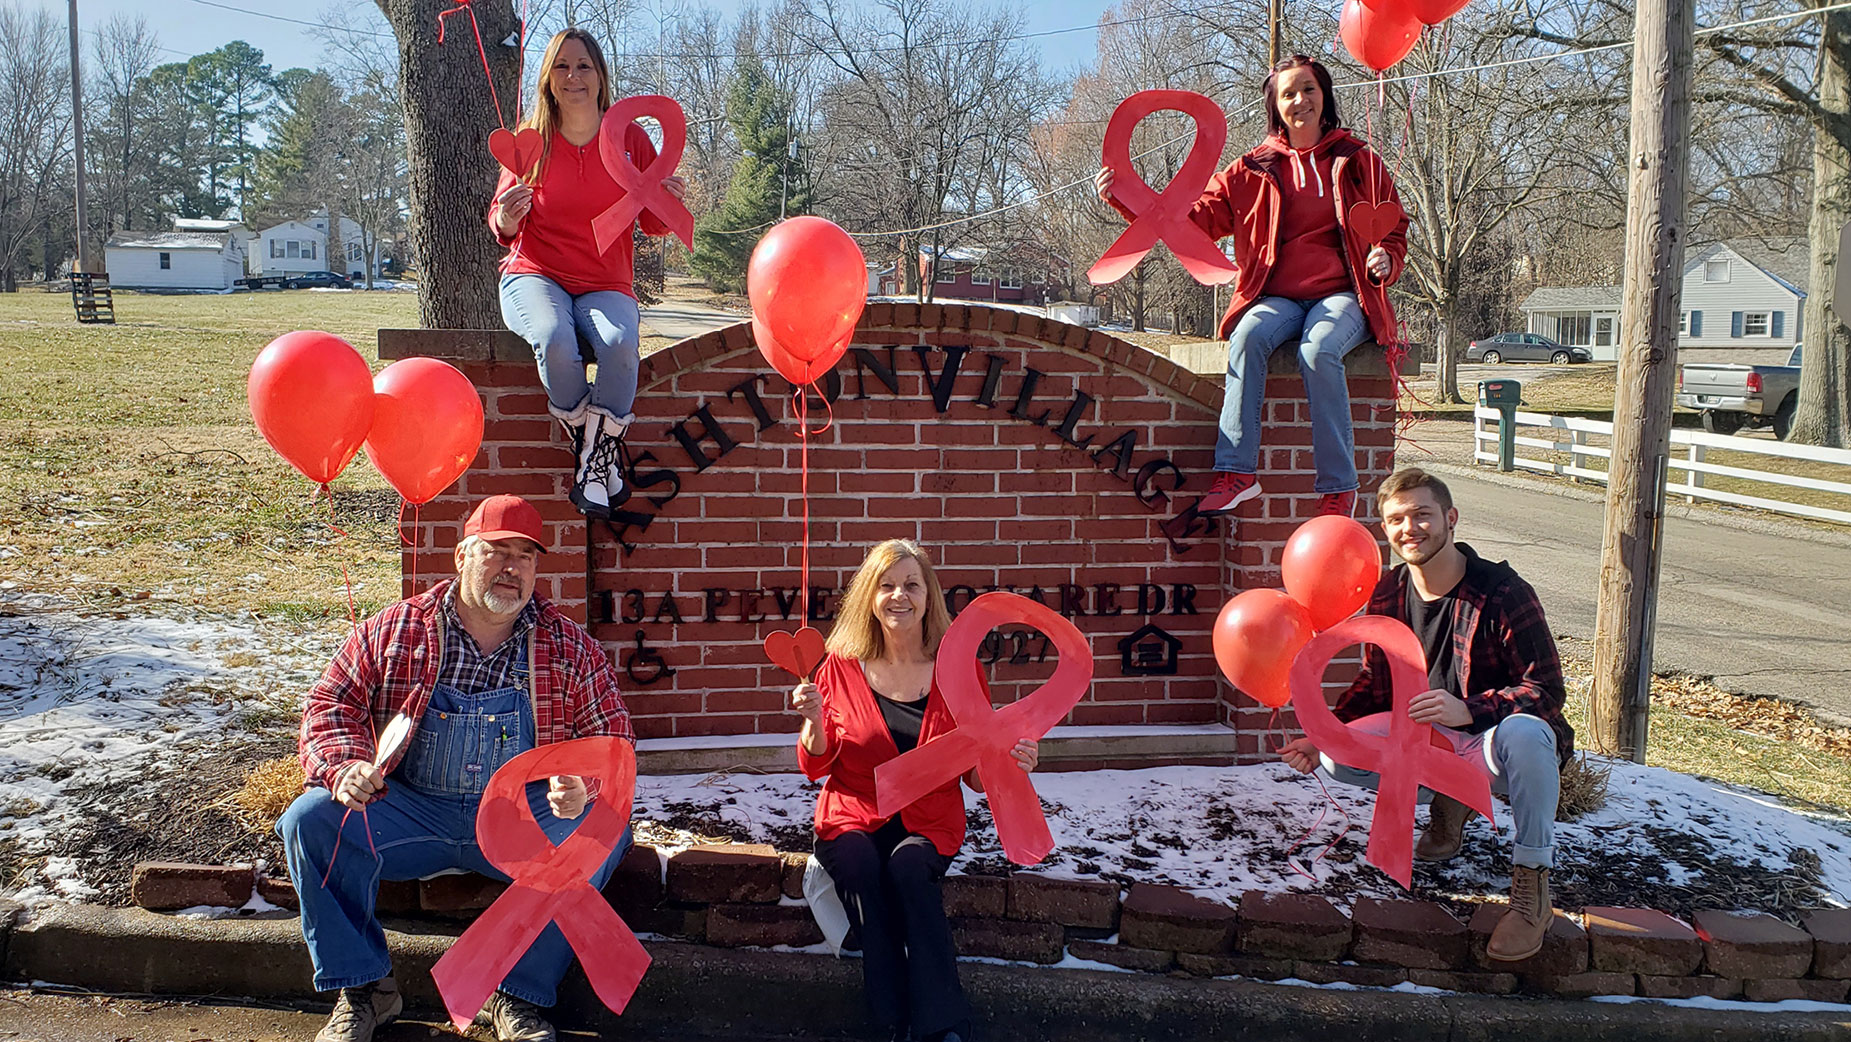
[[1584, 440]]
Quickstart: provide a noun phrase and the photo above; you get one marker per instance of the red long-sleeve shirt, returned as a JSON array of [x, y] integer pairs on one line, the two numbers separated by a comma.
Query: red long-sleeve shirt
[[555, 239], [859, 742]]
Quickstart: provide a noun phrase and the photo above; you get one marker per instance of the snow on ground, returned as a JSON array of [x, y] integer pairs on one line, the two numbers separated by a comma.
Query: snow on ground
[[1663, 840], [93, 696]]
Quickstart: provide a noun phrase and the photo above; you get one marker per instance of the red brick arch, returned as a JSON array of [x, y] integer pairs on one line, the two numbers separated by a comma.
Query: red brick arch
[[1054, 459]]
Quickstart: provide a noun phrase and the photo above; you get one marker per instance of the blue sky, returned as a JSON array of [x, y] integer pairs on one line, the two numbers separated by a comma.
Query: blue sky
[[188, 27]]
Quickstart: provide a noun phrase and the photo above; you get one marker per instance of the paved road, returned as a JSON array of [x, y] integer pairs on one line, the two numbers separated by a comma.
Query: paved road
[[681, 321], [1765, 609]]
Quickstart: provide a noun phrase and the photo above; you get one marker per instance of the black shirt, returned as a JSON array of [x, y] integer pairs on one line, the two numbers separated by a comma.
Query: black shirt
[[1432, 622], [903, 719]]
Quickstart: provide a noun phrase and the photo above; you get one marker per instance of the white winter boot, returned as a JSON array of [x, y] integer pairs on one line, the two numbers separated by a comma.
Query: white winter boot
[[599, 487]]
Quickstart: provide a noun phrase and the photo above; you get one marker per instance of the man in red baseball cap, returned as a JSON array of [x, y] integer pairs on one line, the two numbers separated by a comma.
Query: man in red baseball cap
[[423, 703]]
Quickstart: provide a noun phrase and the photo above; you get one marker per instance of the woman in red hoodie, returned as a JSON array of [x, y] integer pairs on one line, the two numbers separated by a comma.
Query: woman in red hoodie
[[874, 698], [556, 286], [1305, 274]]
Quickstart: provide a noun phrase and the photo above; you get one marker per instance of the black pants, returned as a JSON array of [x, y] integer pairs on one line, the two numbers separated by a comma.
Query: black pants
[[889, 884]]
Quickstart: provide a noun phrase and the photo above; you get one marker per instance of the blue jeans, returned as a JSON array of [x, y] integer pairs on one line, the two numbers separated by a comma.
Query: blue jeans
[[1327, 330], [417, 834], [1518, 756], [551, 321]]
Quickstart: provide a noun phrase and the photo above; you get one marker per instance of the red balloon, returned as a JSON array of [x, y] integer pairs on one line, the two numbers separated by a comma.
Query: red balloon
[[426, 428], [1378, 38], [1256, 637], [311, 396], [798, 371], [808, 283], [1433, 12], [1331, 564]]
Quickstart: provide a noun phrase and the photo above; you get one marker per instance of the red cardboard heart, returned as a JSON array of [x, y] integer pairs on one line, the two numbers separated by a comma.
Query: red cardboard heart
[[517, 153], [1375, 221], [796, 653]]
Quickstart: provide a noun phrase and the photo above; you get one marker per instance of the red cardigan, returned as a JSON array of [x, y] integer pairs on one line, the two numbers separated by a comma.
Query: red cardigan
[[1244, 201], [859, 742], [555, 239]]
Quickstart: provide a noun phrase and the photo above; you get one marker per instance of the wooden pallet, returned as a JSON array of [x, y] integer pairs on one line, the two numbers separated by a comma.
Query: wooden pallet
[[90, 296]]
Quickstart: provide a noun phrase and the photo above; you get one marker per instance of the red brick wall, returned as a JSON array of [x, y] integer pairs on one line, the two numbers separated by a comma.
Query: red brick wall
[[997, 491]]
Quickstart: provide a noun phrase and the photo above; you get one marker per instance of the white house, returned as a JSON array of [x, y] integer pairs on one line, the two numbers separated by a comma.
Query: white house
[[294, 247], [173, 260], [1742, 302]]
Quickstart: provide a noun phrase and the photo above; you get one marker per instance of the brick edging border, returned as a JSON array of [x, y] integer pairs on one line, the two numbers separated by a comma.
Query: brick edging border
[[750, 895]]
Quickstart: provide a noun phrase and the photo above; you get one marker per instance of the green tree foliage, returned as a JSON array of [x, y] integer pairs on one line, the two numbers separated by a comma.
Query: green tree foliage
[[766, 179], [233, 87]]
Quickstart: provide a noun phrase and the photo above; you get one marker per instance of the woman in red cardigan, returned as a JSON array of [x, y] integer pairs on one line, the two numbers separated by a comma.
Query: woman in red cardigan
[[874, 698], [556, 287], [1306, 274]]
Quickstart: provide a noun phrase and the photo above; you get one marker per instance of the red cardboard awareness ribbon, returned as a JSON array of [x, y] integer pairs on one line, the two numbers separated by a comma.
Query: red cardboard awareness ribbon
[[1164, 216], [985, 735], [1410, 756], [642, 188], [551, 883]]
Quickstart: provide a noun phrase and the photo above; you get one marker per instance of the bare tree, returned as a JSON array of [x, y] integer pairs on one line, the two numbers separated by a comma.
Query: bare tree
[[451, 174], [1469, 163], [123, 57], [35, 130], [926, 99]]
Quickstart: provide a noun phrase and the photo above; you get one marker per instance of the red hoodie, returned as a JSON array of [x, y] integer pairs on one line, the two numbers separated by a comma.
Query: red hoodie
[[555, 240], [1259, 201]]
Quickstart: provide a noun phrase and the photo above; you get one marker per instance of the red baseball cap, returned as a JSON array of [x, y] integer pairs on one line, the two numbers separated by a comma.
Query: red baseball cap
[[506, 517]]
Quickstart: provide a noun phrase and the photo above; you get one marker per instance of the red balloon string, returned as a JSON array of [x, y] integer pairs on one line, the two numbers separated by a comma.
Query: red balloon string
[[353, 617], [469, 5], [803, 439], [520, 64], [1323, 812], [365, 822]]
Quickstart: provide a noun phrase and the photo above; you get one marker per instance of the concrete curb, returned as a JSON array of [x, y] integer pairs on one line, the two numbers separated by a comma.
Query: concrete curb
[[695, 991]]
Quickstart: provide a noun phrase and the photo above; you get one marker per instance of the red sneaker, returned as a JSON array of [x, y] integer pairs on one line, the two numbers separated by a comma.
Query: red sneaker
[[1342, 504], [1229, 491]]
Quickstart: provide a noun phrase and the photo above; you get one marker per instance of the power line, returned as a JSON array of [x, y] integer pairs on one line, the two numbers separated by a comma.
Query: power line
[[710, 55]]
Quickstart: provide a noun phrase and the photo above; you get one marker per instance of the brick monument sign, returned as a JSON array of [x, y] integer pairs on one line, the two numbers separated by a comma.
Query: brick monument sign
[[1025, 454]]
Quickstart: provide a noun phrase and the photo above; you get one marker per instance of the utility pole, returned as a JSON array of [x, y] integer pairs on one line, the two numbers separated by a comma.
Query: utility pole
[[1656, 214], [1274, 14], [77, 156]]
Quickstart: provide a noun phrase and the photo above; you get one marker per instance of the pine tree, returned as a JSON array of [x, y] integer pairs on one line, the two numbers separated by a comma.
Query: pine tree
[[766, 179]]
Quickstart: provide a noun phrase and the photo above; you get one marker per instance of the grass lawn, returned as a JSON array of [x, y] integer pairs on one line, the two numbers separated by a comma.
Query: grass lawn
[[128, 460], [1697, 728]]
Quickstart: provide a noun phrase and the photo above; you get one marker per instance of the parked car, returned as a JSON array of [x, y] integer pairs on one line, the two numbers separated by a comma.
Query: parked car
[[1524, 347], [317, 280], [1735, 396]]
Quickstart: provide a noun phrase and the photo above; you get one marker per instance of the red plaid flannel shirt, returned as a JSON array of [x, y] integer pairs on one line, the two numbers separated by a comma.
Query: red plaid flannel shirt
[[1501, 642], [389, 664]]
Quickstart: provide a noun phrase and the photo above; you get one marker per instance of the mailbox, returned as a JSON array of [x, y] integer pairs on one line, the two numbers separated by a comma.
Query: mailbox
[[1504, 396]]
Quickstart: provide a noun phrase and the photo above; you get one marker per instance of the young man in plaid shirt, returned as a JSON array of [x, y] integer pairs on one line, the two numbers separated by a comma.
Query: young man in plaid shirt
[[1494, 690], [483, 670]]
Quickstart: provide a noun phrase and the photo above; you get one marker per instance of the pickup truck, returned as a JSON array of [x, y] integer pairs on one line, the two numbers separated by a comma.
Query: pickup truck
[[1735, 396]]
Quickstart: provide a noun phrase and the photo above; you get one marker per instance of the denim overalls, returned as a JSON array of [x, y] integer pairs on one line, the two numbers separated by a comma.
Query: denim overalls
[[424, 825]]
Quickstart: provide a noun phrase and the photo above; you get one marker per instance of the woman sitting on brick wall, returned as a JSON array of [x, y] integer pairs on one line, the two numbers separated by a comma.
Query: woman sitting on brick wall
[[556, 286], [1305, 273], [874, 698]]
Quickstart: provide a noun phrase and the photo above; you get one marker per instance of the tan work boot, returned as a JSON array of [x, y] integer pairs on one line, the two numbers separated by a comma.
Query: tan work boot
[[1445, 832], [515, 1020], [1519, 934], [359, 1011]]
